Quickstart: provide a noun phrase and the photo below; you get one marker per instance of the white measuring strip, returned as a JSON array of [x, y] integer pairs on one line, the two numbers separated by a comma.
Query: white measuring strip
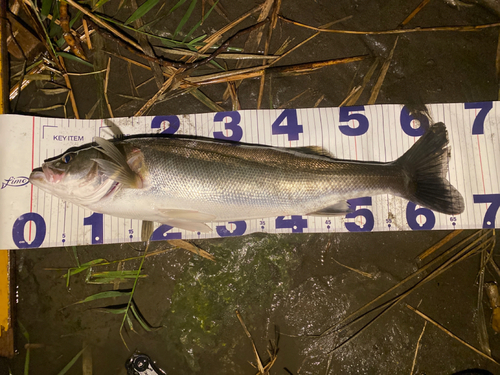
[[33, 218]]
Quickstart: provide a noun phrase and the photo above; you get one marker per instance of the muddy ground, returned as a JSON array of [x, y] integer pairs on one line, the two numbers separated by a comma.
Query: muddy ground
[[291, 283]]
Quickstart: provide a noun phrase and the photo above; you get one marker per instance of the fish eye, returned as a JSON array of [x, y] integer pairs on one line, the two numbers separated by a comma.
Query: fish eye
[[67, 158]]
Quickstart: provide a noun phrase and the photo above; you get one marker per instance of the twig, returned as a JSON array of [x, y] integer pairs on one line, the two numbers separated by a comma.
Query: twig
[[68, 84], [341, 324], [414, 13], [259, 362], [87, 34], [397, 31], [106, 81], [433, 248], [416, 349], [451, 334], [481, 319], [73, 43], [366, 274], [212, 39], [383, 72], [193, 65], [100, 22], [356, 92]]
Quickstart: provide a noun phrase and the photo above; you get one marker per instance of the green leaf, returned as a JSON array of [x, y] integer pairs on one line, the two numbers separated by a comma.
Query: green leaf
[[129, 322], [179, 3], [138, 316], [185, 17], [27, 337], [46, 7], [27, 362], [201, 21], [71, 363], [167, 41], [23, 330], [106, 294], [110, 277], [83, 267], [99, 4], [114, 309], [142, 10], [75, 18], [75, 254], [197, 39], [57, 91], [67, 55]]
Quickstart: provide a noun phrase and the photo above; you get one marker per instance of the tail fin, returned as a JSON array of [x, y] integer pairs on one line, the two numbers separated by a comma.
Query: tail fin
[[426, 165]]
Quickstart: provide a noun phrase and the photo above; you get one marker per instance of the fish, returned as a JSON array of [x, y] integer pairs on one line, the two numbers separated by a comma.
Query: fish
[[188, 182]]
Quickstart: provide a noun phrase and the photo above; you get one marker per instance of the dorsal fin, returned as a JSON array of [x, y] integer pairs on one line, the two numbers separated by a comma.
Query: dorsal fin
[[313, 150]]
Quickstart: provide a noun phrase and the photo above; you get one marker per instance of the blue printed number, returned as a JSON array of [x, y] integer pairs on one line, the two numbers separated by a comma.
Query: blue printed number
[[237, 131], [173, 122], [367, 223], [406, 118], [292, 127], [485, 108], [161, 233], [491, 212], [96, 222], [412, 213], [296, 223], [18, 230], [240, 229], [345, 115]]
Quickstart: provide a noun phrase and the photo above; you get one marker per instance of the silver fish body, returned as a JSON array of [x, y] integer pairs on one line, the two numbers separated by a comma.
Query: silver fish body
[[188, 182]]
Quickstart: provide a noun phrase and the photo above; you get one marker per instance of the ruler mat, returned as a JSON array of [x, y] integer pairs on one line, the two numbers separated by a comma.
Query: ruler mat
[[31, 218]]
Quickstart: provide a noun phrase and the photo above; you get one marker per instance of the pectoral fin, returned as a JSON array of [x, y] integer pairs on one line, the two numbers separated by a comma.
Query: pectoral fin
[[190, 215], [193, 226], [117, 168], [339, 208], [186, 219]]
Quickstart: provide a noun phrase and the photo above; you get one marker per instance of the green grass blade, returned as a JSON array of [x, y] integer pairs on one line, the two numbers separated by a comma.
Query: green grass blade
[[27, 362], [83, 267], [75, 18], [142, 10], [75, 254], [110, 277], [27, 337], [24, 331], [39, 17], [197, 39], [179, 3], [128, 274], [114, 309], [106, 294], [67, 55], [185, 18], [129, 322], [201, 21], [46, 7], [99, 4], [140, 318], [71, 363]]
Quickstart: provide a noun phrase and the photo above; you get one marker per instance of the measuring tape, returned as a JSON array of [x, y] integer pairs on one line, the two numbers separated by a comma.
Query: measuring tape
[[31, 218]]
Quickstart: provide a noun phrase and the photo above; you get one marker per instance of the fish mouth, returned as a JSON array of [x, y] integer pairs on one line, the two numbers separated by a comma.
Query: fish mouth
[[37, 175], [45, 173]]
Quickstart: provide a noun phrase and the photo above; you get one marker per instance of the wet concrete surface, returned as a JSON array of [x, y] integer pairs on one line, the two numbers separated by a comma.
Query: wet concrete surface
[[288, 282]]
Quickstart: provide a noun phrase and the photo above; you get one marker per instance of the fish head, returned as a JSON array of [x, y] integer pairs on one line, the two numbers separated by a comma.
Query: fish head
[[74, 176]]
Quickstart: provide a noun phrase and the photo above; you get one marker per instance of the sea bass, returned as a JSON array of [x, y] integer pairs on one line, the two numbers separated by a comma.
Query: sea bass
[[187, 182]]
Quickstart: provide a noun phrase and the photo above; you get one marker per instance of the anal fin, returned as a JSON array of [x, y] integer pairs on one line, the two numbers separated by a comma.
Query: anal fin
[[339, 208]]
